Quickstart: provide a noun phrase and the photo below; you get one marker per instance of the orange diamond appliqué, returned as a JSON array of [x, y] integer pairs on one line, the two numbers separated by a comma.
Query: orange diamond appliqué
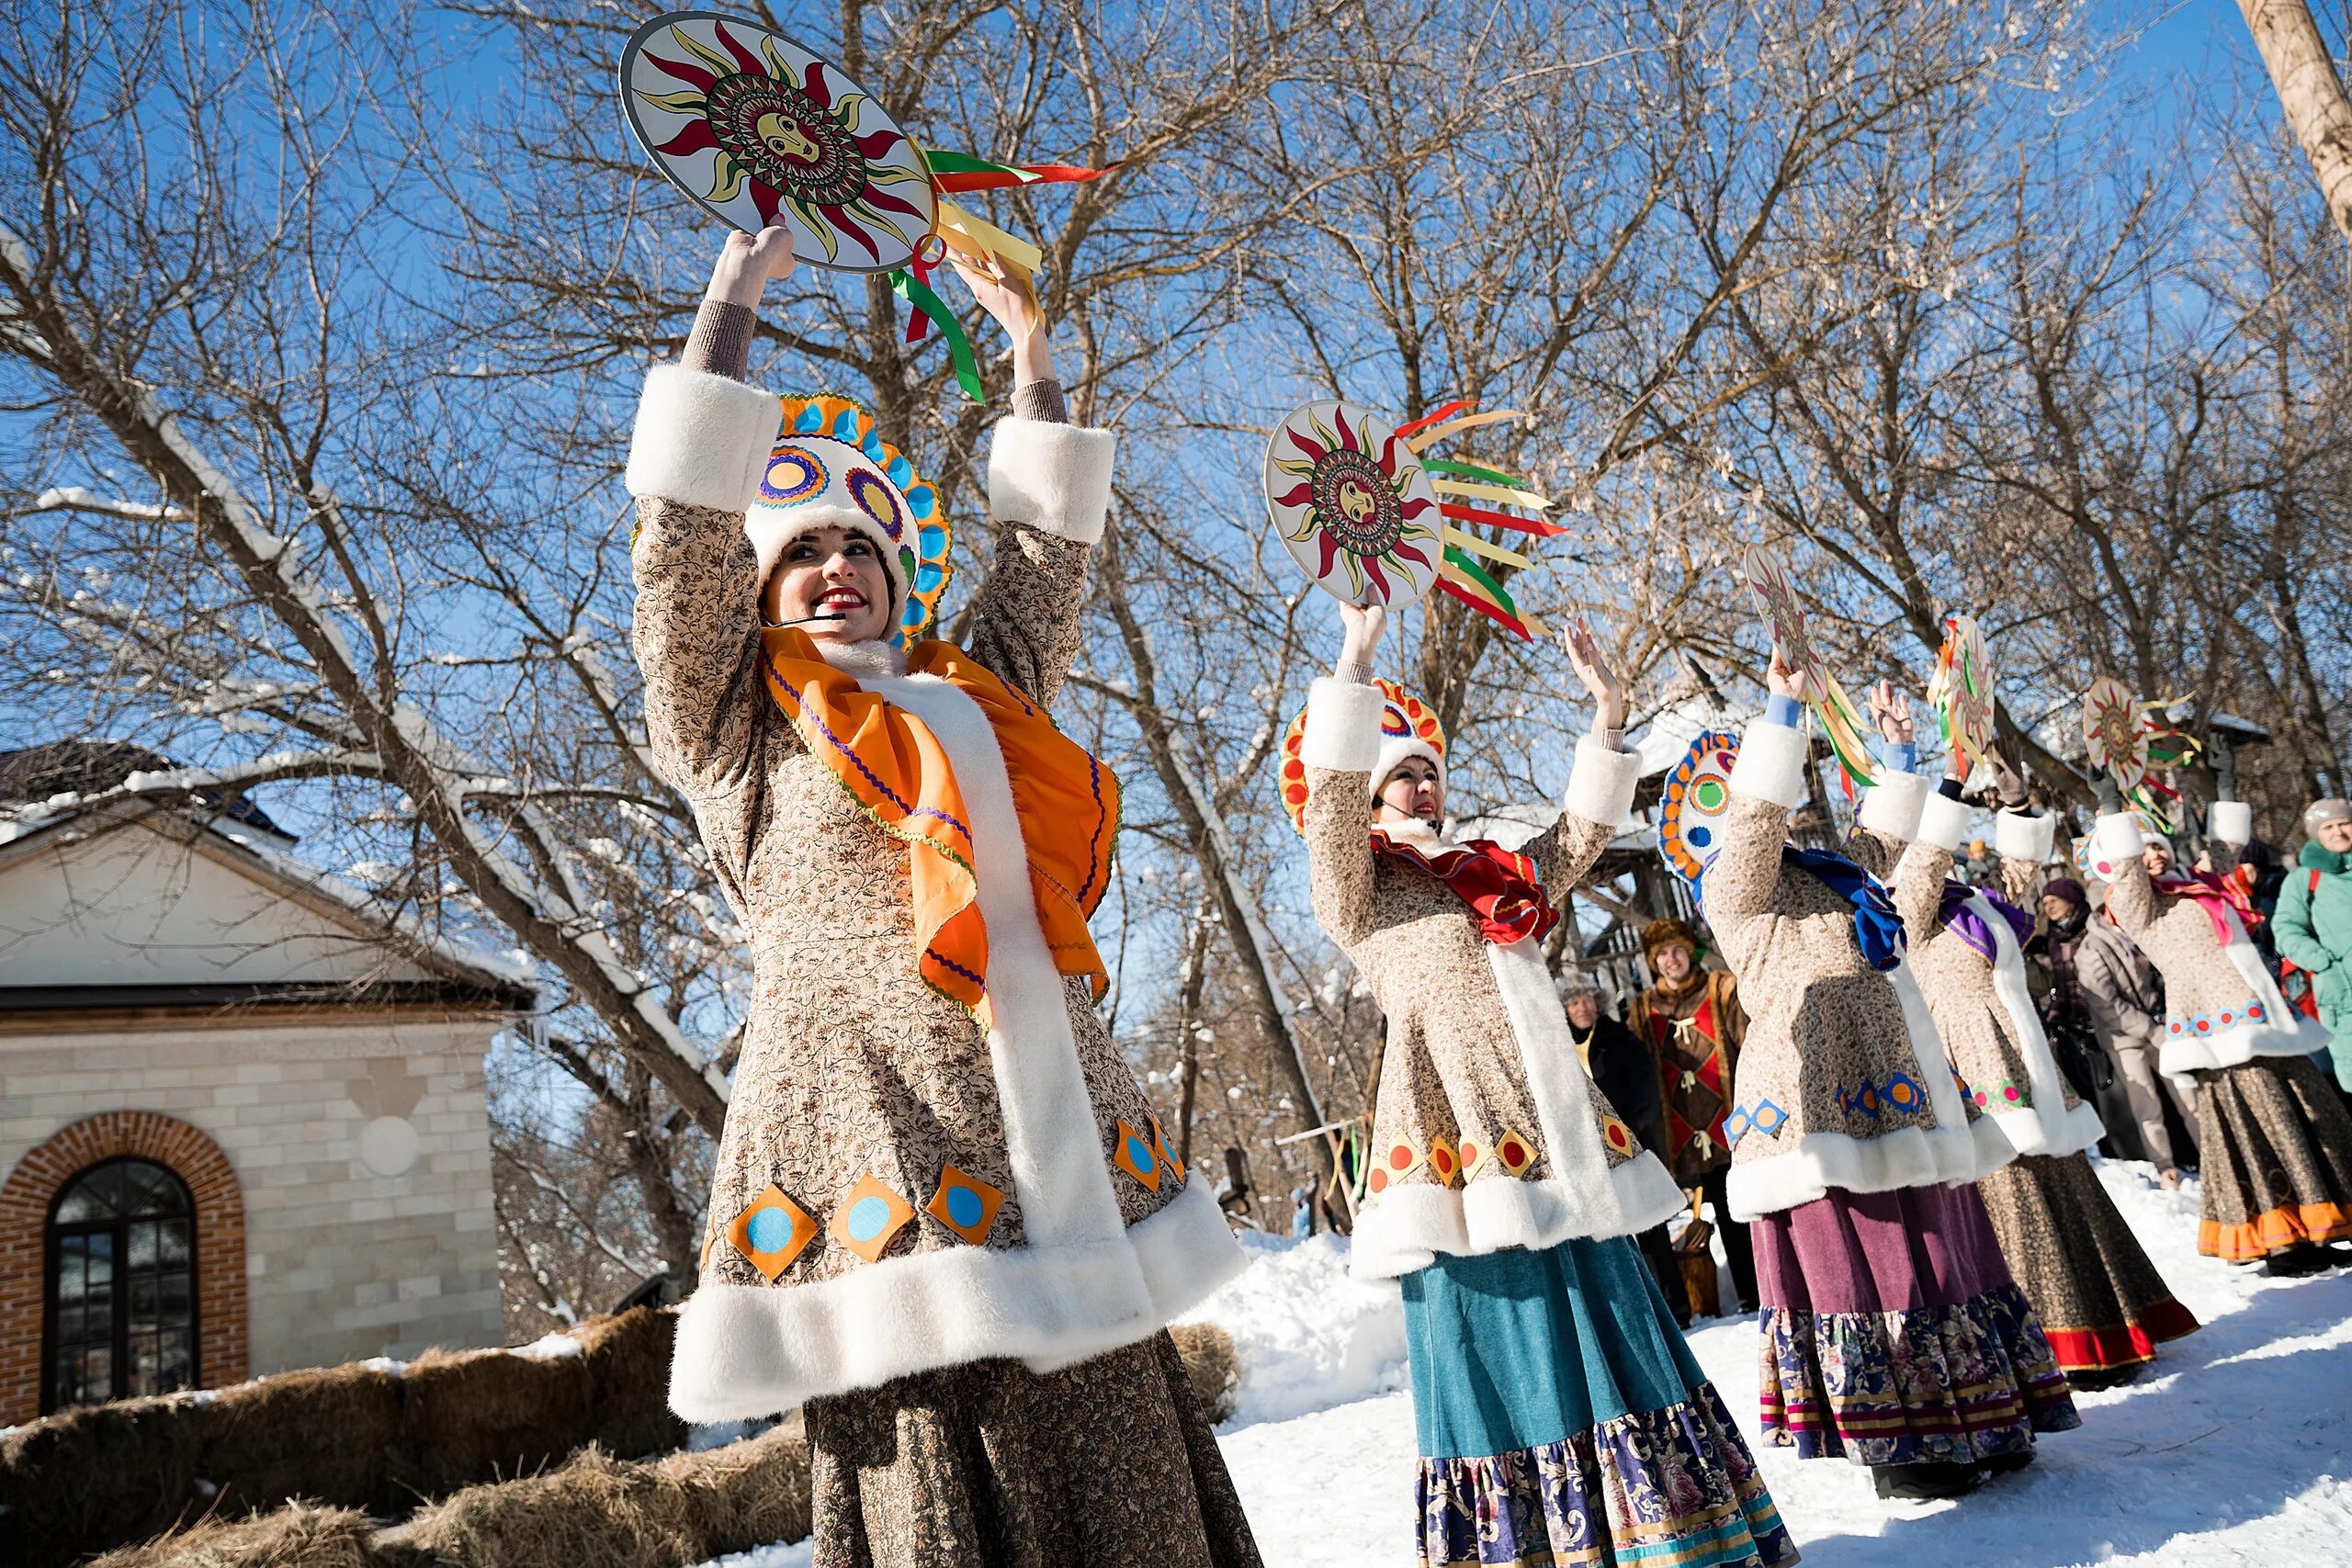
[[869, 1217], [965, 1204], [771, 1231]]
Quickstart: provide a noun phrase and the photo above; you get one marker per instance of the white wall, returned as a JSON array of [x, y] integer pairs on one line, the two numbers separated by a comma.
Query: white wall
[[341, 1261]]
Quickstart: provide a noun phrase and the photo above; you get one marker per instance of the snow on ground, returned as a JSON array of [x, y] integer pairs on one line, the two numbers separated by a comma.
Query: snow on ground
[[2234, 1449]]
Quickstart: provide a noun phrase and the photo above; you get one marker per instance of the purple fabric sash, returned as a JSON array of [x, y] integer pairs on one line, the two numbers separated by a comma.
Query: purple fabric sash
[[1954, 913]]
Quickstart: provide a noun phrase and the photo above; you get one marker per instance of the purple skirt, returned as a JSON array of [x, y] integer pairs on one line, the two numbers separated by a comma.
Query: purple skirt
[[1893, 1334]]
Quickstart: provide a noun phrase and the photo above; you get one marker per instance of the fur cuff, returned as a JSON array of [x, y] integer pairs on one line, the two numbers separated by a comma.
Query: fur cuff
[[2118, 838], [701, 439], [1943, 822], [1343, 730], [1893, 805], [1054, 477], [1601, 785], [1771, 764], [2028, 836], [2232, 821]]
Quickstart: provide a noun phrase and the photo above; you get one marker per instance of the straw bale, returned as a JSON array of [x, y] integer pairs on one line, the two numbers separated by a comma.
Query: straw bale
[[324, 1433], [97, 1476], [1211, 1366], [302, 1536], [627, 1364], [474, 1416], [595, 1512], [748, 1494]]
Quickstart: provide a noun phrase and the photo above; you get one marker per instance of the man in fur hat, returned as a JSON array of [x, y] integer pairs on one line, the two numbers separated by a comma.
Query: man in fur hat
[[1690, 1019]]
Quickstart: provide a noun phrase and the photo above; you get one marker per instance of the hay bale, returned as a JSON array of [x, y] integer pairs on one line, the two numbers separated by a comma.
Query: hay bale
[[298, 1537], [325, 1433], [1211, 1366], [469, 1417], [628, 1365], [97, 1476], [748, 1494], [595, 1512]]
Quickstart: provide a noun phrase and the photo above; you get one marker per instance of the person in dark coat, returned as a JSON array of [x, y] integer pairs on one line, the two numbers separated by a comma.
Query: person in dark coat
[[1621, 1069]]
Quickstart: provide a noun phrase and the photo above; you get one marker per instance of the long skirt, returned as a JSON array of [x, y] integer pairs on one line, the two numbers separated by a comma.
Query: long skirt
[[1563, 1420], [2102, 1304], [2277, 1168], [1893, 1334], [1106, 1464]]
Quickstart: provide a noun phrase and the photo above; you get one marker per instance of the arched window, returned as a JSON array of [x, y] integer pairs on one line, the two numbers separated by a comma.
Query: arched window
[[121, 1302]]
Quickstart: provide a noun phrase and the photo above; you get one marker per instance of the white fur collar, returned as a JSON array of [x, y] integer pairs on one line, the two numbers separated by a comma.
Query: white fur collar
[[866, 661], [1422, 836]]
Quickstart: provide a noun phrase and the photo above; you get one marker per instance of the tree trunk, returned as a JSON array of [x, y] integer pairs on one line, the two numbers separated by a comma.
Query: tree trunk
[[2311, 92]]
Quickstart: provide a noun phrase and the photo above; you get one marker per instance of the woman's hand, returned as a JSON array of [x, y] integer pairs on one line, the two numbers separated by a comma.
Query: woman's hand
[[1600, 682], [1779, 679], [1004, 292], [746, 263], [1892, 711], [1364, 624]]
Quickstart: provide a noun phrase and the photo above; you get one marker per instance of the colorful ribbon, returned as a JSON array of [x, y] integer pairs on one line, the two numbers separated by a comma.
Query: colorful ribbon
[[1954, 912], [1878, 930], [923, 302]]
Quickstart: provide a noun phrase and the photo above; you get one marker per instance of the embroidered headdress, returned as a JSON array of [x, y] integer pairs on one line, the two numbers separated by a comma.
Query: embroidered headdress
[[1407, 728], [830, 469]]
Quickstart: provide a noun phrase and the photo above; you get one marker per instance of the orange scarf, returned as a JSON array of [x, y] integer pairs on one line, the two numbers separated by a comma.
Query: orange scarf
[[1066, 800]]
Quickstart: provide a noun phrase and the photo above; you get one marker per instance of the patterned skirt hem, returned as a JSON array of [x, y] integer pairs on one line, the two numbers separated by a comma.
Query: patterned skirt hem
[[1935, 1385], [2128, 1344], [1669, 1488], [2289, 1225]]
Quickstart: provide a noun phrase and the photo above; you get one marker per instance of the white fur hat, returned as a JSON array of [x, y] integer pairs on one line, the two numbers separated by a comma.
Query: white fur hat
[[1395, 749]]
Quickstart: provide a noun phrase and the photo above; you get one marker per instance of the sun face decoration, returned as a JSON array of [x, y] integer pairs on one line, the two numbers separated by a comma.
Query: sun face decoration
[[1353, 505], [761, 131], [2112, 734], [1776, 595]]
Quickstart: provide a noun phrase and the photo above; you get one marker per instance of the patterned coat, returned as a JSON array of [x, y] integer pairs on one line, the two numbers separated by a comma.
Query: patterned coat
[[1694, 1036], [1486, 1132], [2016, 1100], [2222, 1005], [1841, 1081], [895, 1191]]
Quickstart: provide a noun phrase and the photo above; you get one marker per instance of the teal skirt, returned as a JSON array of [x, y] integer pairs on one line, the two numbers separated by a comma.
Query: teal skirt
[[1562, 1418]]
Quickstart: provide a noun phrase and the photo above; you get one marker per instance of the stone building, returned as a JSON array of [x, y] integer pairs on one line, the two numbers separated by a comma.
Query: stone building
[[242, 1131]]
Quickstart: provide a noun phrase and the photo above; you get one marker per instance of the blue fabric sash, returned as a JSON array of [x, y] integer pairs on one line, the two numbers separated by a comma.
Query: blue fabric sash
[[1877, 928]]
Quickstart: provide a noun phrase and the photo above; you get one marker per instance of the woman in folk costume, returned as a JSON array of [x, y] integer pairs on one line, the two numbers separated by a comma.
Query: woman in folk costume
[[2274, 1141], [1893, 1332], [1560, 1415], [2103, 1306], [943, 1219]]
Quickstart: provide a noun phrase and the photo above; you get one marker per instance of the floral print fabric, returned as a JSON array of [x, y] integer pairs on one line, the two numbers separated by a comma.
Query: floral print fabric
[[1670, 1486]]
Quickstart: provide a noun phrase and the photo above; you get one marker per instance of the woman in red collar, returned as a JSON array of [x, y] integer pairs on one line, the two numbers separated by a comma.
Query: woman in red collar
[[1555, 1400]]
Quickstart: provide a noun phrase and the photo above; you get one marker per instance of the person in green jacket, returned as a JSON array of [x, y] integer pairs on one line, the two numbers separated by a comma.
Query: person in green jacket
[[2313, 926]]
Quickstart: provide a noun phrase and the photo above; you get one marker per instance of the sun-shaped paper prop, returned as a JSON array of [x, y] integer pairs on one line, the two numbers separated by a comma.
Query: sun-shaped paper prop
[[2112, 734], [1352, 504], [1962, 690], [760, 130], [1401, 714], [1776, 595]]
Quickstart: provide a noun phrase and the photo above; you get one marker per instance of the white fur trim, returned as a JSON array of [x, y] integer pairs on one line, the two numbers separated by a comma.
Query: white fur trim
[[2028, 836], [1394, 749], [1961, 1152], [1820, 1161], [701, 439], [745, 1351], [2287, 1033], [1078, 1286], [2049, 1128], [1943, 821], [1406, 1228], [2232, 821], [1601, 785], [1771, 764], [1343, 730], [861, 660], [1893, 805], [1054, 477], [2118, 838]]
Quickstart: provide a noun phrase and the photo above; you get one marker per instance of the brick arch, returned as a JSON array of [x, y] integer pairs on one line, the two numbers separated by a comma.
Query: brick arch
[[32, 1188]]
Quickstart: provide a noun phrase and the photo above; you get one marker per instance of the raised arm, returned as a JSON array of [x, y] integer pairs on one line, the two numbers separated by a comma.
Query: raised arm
[[701, 444], [1600, 783], [1767, 782], [1889, 818], [1341, 746], [2130, 896], [1926, 864], [1049, 492]]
